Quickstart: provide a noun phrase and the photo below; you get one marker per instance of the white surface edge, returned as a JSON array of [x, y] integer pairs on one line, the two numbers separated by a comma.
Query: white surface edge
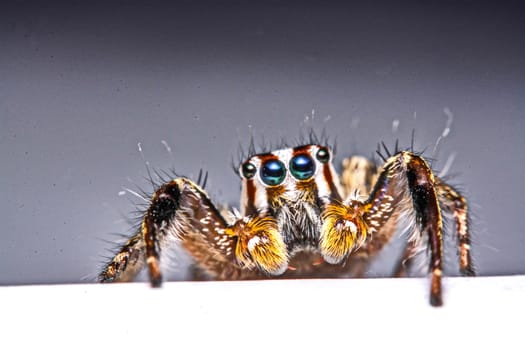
[[481, 312]]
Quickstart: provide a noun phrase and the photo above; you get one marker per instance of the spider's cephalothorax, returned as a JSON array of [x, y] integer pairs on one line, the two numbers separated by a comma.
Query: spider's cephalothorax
[[299, 219]]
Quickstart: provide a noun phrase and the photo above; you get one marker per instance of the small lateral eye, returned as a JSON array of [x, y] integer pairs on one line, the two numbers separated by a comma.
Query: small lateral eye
[[323, 155], [302, 167], [273, 172], [248, 170]]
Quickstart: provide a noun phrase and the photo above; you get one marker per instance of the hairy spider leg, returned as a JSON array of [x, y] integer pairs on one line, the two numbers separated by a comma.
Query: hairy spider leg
[[453, 202], [127, 263], [360, 174], [405, 188], [179, 210]]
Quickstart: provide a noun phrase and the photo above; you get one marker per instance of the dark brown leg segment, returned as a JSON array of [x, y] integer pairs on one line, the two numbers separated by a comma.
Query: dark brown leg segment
[[179, 210], [127, 263], [453, 202], [428, 216], [406, 186]]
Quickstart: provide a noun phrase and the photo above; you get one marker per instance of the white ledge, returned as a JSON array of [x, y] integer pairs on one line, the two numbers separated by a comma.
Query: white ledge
[[482, 312]]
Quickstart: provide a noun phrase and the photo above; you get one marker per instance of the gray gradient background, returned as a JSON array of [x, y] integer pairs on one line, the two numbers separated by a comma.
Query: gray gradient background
[[82, 83]]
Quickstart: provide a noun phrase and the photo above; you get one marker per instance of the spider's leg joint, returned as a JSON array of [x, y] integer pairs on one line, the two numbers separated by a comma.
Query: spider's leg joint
[[164, 204], [407, 184]]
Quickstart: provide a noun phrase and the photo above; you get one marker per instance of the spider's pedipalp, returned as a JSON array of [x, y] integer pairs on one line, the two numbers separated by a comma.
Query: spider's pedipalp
[[259, 244], [343, 230]]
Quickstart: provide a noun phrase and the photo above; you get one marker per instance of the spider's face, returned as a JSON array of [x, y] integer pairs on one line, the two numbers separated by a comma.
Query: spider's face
[[287, 176]]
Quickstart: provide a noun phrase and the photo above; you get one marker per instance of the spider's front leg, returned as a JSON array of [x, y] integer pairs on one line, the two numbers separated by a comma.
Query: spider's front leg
[[407, 182], [405, 187], [178, 210], [181, 210], [453, 204]]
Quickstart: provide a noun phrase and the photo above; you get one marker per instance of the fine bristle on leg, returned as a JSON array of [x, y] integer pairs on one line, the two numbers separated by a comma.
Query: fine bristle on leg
[[405, 188], [428, 215], [127, 263], [453, 202], [178, 209]]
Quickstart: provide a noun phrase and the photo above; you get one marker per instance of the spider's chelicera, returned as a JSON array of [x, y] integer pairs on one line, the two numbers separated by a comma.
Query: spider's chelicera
[[300, 219]]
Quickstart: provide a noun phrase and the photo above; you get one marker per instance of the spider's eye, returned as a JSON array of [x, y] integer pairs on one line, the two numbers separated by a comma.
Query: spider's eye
[[302, 167], [273, 172], [248, 170], [323, 155]]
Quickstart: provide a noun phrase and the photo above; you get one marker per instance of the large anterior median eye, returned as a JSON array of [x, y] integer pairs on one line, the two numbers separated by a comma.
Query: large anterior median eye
[[302, 167], [273, 172]]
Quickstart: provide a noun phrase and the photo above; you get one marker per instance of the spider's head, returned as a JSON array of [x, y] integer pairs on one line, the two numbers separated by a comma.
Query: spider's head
[[289, 175]]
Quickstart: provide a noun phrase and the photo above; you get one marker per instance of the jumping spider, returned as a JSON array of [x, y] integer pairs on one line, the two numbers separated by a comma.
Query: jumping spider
[[299, 219]]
